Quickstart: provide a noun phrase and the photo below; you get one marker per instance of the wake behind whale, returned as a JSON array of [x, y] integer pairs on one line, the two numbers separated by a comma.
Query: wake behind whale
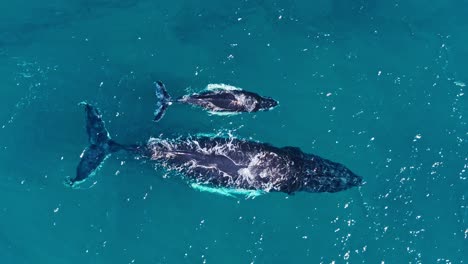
[[221, 162]]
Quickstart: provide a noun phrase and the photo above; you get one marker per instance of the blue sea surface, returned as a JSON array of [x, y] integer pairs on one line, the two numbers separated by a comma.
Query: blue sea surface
[[379, 86]]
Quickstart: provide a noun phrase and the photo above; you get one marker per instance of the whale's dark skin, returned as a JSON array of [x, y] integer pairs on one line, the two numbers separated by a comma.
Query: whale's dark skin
[[216, 101], [229, 101], [100, 145], [224, 162]]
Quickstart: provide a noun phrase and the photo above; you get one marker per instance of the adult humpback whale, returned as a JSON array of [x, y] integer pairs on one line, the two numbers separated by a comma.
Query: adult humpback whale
[[217, 98], [221, 162]]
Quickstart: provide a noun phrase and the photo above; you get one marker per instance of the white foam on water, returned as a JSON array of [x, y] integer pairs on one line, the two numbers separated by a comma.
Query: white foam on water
[[227, 191], [223, 113], [31, 77], [221, 86]]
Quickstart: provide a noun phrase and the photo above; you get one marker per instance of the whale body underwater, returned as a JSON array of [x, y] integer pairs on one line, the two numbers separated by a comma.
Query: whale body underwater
[[220, 162], [216, 98]]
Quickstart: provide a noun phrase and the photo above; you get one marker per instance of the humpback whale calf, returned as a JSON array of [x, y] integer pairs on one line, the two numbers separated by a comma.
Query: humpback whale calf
[[217, 98], [221, 162]]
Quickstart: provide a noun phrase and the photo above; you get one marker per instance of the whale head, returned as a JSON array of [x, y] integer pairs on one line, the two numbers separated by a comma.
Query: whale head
[[331, 178], [266, 103], [351, 180], [344, 180]]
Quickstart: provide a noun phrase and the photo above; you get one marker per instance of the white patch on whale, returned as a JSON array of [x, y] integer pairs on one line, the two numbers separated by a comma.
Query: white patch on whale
[[262, 166], [248, 102], [262, 170]]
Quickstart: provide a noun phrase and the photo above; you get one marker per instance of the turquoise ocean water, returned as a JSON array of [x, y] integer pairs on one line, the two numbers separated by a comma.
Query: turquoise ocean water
[[376, 85]]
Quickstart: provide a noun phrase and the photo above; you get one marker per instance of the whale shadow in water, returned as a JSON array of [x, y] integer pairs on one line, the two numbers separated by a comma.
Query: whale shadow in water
[[194, 23], [44, 18]]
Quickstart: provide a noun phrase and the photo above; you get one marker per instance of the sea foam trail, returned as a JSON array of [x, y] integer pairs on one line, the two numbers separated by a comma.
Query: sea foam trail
[[221, 86]]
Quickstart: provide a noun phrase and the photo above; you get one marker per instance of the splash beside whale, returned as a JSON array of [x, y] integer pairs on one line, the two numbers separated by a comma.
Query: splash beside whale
[[217, 98], [220, 162]]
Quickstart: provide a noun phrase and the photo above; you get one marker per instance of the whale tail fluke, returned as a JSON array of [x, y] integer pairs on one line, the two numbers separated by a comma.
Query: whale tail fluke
[[100, 146], [95, 126], [164, 100]]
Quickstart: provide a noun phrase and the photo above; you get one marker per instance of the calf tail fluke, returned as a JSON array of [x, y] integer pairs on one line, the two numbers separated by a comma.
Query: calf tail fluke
[[163, 100], [100, 146]]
